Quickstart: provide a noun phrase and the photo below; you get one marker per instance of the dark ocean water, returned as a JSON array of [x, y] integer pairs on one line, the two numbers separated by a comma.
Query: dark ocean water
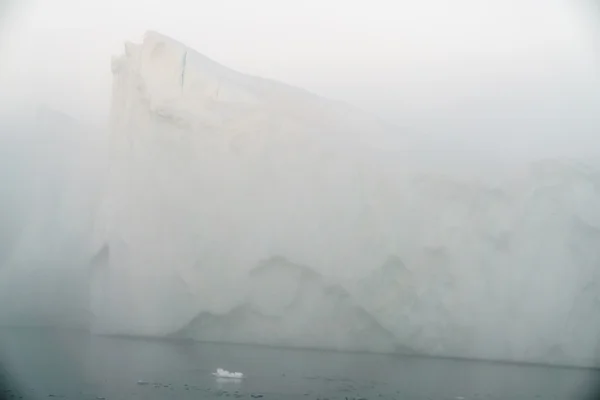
[[45, 364]]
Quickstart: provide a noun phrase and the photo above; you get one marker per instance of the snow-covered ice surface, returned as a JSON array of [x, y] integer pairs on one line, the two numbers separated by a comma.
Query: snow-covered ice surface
[[239, 209]]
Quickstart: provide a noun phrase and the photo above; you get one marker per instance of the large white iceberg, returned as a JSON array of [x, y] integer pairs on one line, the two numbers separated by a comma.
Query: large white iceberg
[[244, 210], [239, 209]]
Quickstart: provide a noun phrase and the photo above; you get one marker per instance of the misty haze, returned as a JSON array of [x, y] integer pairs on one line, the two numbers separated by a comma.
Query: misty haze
[[414, 213]]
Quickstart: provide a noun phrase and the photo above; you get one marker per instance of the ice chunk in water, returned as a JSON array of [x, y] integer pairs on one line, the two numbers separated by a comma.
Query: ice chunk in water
[[221, 373]]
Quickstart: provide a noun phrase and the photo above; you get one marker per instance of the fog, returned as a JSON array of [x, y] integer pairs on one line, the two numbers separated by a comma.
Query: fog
[[453, 212], [509, 79]]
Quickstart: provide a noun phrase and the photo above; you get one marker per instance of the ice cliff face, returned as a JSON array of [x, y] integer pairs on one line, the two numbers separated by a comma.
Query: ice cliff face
[[245, 210]]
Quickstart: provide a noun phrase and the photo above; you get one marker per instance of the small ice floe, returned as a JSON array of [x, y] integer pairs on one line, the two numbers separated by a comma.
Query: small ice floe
[[221, 373], [140, 382]]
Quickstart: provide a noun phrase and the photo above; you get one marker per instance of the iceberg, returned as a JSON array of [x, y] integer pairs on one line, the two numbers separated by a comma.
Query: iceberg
[[245, 210], [238, 209], [51, 166]]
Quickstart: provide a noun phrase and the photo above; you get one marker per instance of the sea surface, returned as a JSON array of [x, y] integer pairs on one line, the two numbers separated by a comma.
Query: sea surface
[[46, 364]]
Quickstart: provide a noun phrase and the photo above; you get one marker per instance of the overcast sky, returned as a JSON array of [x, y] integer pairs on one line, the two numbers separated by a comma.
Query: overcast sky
[[514, 76]]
